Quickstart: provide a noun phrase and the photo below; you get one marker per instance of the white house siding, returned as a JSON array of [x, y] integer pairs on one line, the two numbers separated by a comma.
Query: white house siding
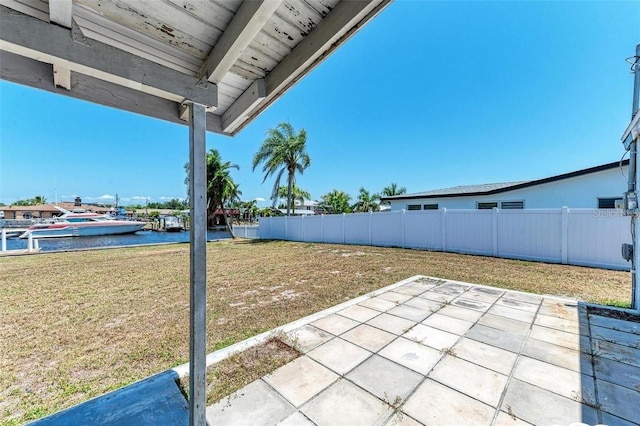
[[577, 192]]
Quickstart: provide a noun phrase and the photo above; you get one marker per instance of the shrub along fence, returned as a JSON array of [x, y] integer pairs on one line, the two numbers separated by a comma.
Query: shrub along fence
[[586, 237]]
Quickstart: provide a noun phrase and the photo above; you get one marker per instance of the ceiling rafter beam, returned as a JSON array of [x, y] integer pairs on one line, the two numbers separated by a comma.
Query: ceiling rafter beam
[[60, 12], [29, 72], [246, 23], [35, 39]]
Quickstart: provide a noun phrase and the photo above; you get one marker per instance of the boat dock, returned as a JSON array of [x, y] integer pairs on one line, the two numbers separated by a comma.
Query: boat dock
[[33, 245]]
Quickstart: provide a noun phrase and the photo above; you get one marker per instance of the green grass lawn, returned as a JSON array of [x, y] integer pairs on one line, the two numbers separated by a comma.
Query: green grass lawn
[[76, 325]]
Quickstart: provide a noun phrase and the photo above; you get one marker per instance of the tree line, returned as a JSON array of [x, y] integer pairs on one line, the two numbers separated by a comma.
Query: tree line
[[173, 204]]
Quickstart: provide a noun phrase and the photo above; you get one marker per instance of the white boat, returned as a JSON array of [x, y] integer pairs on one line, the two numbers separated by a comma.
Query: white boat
[[81, 224], [173, 224]]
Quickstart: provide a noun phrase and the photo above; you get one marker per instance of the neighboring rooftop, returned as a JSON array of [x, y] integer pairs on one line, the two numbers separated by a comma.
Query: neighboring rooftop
[[496, 188]]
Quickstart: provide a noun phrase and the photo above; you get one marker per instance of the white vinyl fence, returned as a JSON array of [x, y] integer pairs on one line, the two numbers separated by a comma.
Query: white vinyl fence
[[586, 237], [245, 231]]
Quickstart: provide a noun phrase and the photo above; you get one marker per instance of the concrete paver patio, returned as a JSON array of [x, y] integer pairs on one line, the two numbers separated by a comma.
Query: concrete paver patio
[[429, 351]]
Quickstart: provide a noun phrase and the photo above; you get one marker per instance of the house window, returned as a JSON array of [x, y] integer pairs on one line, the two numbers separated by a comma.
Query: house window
[[430, 207], [414, 207], [489, 205], [512, 205], [608, 203]]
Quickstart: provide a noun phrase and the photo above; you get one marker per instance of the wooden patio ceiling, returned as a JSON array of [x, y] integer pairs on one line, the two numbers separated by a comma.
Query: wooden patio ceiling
[[150, 56]]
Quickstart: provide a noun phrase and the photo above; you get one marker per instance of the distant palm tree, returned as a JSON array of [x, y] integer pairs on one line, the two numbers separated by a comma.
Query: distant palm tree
[[221, 188], [282, 151], [337, 201], [393, 189], [39, 199], [366, 202], [297, 194], [249, 209]]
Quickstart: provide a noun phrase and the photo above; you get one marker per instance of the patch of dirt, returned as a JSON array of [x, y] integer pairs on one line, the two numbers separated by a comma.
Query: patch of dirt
[[287, 295], [355, 253], [613, 313], [242, 368]]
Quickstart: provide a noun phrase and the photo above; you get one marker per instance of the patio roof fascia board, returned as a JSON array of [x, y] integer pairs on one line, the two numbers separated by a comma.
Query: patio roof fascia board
[[29, 72], [36, 39], [333, 31], [245, 25]]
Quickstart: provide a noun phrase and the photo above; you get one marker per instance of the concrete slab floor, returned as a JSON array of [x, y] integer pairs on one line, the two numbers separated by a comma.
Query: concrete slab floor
[[438, 352]]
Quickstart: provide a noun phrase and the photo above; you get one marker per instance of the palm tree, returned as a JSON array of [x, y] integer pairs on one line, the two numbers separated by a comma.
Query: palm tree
[[366, 202], [338, 201], [249, 209], [393, 189], [297, 194], [282, 151], [39, 199], [221, 189]]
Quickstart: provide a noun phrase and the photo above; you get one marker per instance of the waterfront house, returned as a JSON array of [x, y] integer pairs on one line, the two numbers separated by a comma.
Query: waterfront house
[[595, 187]]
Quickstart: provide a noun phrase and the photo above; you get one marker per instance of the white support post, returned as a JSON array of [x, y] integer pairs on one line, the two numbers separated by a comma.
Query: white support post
[[198, 266], [565, 235], [30, 243], [634, 180], [495, 232], [37, 244], [4, 239]]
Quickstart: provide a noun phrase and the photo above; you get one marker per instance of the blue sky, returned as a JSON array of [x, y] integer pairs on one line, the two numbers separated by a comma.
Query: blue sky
[[428, 95]]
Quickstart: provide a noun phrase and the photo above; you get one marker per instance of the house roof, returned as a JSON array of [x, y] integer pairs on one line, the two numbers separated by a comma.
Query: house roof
[[497, 188], [52, 209], [235, 57], [306, 203]]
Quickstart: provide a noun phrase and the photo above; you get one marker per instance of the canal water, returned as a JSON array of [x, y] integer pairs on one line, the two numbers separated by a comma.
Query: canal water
[[140, 237]]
